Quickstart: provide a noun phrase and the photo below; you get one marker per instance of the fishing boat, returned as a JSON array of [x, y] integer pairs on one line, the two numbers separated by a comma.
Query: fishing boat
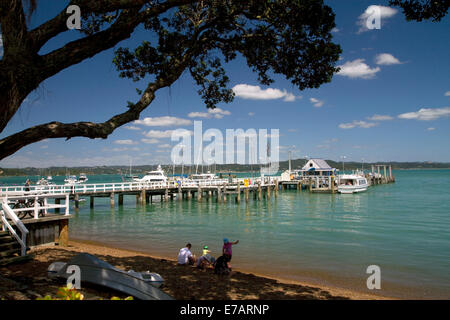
[[141, 285], [157, 175], [352, 183]]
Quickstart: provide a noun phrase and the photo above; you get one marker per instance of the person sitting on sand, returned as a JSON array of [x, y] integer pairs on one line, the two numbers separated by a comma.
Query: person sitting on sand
[[205, 261], [222, 266], [185, 256], [227, 247]]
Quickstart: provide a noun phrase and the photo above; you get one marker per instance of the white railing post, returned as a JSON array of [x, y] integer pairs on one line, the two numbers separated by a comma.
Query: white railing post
[[45, 205], [67, 205], [36, 205]]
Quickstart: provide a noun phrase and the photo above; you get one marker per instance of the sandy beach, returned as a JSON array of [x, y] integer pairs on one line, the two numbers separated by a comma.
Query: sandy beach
[[29, 280]]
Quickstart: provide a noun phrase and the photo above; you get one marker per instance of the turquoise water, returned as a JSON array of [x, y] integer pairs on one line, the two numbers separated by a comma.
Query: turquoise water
[[317, 238]]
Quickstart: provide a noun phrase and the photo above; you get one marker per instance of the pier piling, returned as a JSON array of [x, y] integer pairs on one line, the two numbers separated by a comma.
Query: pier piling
[[111, 199]]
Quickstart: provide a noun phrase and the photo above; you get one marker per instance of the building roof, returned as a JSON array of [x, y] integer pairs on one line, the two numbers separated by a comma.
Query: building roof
[[317, 164]]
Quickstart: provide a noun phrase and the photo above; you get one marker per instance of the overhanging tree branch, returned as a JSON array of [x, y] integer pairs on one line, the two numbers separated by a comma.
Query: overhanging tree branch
[[42, 34], [92, 130]]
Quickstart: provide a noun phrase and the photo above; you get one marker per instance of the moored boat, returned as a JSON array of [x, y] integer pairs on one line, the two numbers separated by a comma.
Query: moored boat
[[352, 183], [157, 175]]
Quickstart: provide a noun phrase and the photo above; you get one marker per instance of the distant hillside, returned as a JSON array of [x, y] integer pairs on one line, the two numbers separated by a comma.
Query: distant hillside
[[284, 165]]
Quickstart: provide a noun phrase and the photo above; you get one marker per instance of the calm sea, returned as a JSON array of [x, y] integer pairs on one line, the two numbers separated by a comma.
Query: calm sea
[[318, 238]]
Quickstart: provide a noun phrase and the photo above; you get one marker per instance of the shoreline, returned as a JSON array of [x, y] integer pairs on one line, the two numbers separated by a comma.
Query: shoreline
[[333, 290]]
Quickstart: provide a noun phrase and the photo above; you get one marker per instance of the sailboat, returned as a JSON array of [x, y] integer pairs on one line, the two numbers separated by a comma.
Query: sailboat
[[131, 176]]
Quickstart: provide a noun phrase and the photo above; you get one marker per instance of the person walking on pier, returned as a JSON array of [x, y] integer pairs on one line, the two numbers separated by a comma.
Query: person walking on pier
[[27, 185]]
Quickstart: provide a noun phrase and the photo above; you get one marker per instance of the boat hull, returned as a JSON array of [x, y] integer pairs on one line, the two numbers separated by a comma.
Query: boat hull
[[347, 190], [99, 272]]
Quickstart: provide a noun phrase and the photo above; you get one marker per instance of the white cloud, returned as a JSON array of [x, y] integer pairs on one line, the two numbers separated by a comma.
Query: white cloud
[[44, 147], [431, 129], [247, 91], [385, 13], [150, 141], [165, 146], [165, 121], [251, 114], [357, 69], [132, 128], [317, 103], [426, 114], [158, 134], [378, 117], [217, 113], [199, 115], [447, 94], [386, 59], [359, 124], [289, 98], [335, 30], [126, 142]]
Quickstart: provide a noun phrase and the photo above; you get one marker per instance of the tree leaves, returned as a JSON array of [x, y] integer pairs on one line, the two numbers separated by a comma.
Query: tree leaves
[[288, 37]]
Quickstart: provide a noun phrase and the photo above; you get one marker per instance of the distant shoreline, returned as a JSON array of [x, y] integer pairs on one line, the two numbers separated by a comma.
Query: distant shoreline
[[219, 172]]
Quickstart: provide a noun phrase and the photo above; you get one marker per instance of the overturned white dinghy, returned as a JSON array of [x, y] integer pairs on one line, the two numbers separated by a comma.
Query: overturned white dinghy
[[141, 285]]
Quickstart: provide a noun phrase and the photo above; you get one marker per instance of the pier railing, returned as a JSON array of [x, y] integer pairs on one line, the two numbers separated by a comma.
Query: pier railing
[[34, 204], [62, 190]]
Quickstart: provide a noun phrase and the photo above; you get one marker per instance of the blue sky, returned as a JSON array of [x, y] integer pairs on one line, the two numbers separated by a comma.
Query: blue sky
[[391, 101]]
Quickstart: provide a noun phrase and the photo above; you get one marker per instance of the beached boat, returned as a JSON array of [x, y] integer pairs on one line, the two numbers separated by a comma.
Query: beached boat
[[141, 285], [352, 183], [157, 175]]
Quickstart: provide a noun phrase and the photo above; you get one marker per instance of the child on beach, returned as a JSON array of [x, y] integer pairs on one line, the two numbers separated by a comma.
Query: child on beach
[[227, 247], [205, 250], [206, 260]]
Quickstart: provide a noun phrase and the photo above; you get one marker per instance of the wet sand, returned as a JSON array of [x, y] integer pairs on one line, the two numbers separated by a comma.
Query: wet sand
[[29, 280]]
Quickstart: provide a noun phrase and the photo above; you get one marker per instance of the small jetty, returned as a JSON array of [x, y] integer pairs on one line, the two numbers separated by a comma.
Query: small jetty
[[318, 176]]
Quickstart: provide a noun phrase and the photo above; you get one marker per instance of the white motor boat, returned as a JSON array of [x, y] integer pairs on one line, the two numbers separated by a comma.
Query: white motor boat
[[83, 178], [203, 176], [44, 182], [157, 175], [71, 180], [352, 183]]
